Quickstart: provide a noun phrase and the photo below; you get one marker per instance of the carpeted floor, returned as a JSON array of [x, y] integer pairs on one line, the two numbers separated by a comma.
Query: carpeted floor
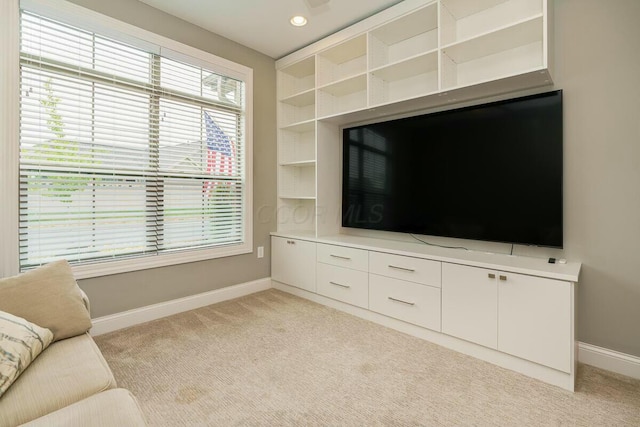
[[275, 359]]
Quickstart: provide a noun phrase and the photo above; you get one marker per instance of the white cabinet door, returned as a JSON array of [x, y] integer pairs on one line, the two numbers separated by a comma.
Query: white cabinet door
[[294, 262], [470, 304], [534, 319]]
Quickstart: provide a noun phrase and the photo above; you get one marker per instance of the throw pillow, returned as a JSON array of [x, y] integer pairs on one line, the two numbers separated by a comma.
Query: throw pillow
[[20, 343], [47, 296]]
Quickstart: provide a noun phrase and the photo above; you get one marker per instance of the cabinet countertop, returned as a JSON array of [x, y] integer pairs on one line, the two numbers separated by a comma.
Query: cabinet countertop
[[511, 263]]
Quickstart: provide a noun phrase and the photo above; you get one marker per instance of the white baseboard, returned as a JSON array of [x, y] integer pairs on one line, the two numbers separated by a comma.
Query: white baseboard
[[610, 360], [603, 358], [113, 322], [552, 376]]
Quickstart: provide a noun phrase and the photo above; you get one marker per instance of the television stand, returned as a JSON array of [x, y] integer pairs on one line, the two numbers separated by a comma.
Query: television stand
[[513, 311]]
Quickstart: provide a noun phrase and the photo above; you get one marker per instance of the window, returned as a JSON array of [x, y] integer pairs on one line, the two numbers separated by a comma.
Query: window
[[131, 154]]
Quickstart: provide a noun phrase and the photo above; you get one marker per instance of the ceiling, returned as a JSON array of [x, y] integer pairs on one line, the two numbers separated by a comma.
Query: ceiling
[[263, 25]]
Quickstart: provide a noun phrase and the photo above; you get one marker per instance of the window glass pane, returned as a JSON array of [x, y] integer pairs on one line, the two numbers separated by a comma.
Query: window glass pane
[[181, 77], [200, 212], [182, 147], [221, 88], [122, 60], [221, 136], [121, 129], [80, 216], [42, 37], [55, 116]]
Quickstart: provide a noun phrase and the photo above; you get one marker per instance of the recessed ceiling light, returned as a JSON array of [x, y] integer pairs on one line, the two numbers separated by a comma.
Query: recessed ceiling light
[[298, 21]]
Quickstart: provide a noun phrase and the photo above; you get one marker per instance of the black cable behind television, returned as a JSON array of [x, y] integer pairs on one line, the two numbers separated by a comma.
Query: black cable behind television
[[488, 172]]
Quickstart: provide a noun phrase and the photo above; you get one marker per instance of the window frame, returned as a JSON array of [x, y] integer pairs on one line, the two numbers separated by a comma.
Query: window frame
[[10, 117]]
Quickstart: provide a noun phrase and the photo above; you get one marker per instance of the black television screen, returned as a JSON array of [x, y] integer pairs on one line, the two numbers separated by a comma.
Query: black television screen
[[488, 172]]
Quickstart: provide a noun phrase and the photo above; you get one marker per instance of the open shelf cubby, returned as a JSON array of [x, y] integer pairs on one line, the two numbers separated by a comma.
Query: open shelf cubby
[[466, 19], [297, 78], [297, 146], [297, 108], [297, 215], [407, 79], [404, 38], [345, 60], [346, 95], [509, 51], [297, 180]]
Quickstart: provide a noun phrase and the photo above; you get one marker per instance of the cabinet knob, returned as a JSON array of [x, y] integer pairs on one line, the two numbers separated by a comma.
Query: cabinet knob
[[491, 276], [503, 278]]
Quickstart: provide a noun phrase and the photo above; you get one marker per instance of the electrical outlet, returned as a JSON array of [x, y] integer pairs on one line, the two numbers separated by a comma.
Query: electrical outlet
[[260, 251]]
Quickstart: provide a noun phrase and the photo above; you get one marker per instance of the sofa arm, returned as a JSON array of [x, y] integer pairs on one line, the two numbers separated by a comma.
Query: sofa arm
[[85, 300]]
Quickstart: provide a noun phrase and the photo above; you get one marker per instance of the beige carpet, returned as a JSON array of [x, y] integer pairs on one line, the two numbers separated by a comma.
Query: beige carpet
[[275, 359]]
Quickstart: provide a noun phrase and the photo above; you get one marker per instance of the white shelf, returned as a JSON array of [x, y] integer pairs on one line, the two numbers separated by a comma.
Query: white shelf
[[303, 126], [345, 86], [302, 99], [405, 37], [295, 147], [508, 51], [297, 182], [297, 78], [291, 115], [414, 77], [464, 8], [297, 197], [342, 61], [465, 19], [504, 38], [299, 163], [345, 95]]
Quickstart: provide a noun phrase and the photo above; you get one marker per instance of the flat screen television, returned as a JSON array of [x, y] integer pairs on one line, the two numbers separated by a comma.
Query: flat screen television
[[489, 172]]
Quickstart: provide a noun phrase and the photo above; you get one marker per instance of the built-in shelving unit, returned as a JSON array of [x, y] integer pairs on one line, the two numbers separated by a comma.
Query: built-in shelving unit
[[297, 146], [415, 55]]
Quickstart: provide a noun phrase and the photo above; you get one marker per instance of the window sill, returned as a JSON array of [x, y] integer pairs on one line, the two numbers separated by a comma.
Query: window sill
[[106, 268]]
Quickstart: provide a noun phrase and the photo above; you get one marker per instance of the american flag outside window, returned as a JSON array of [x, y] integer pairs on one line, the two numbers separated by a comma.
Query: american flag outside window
[[221, 152]]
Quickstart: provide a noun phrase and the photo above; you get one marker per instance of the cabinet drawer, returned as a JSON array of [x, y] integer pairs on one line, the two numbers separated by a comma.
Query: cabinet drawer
[[406, 268], [341, 256], [343, 284], [407, 301]]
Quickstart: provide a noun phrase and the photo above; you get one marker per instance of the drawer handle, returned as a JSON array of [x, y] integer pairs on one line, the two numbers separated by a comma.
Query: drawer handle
[[340, 257], [341, 285], [291, 242], [491, 276], [503, 278], [403, 302], [402, 268]]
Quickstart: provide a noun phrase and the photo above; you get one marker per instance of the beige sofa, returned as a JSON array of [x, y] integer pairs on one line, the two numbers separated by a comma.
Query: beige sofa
[[69, 383]]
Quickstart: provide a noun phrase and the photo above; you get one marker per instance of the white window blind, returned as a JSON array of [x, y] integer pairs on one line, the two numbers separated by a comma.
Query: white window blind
[[124, 151]]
